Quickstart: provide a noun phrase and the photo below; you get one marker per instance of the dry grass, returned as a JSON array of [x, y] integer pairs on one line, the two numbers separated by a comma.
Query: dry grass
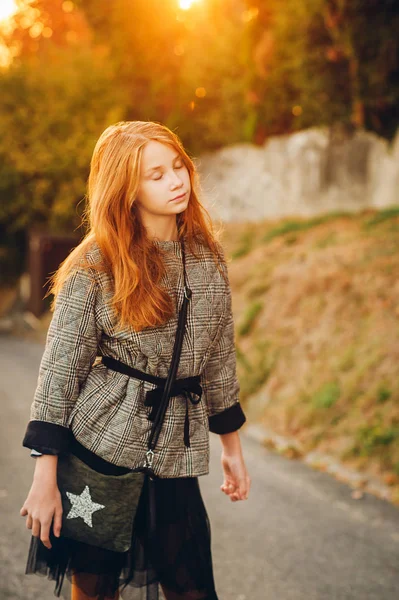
[[316, 306]]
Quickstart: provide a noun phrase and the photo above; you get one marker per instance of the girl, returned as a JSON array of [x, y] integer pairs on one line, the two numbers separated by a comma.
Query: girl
[[117, 295]]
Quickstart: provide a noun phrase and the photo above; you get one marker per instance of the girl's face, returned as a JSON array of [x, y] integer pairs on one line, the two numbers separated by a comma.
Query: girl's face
[[163, 176]]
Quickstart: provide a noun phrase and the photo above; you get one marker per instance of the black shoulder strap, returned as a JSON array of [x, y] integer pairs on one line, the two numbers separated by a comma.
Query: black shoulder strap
[[181, 325]]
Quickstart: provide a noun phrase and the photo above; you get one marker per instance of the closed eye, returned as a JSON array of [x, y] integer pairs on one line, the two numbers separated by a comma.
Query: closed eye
[[157, 178]]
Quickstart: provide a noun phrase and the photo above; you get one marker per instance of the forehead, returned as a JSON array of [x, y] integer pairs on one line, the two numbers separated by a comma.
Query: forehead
[[156, 153]]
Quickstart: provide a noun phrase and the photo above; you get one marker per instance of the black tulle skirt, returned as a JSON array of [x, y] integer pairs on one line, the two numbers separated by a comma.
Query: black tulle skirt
[[178, 559]]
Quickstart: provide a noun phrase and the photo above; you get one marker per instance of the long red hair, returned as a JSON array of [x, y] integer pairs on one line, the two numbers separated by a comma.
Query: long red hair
[[113, 221]]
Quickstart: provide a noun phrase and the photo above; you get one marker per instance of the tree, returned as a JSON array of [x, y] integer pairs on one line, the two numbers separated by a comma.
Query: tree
[[321, 61]]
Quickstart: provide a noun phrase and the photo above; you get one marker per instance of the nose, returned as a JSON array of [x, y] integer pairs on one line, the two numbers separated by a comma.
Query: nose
[[176, 181]]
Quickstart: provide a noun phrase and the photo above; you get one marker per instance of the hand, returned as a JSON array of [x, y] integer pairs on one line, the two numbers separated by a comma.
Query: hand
[[236, 479], [43, 502]]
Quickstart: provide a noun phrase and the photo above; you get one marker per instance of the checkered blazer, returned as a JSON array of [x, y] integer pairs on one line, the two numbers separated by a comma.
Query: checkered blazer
[[103, 409]]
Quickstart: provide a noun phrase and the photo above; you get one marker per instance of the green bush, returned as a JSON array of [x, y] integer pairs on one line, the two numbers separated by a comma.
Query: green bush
[[370, 437], [249, 318], [327, 395]]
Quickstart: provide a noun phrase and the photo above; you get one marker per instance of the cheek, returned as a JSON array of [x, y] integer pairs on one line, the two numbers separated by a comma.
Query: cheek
[[149, 194], [186, 179]]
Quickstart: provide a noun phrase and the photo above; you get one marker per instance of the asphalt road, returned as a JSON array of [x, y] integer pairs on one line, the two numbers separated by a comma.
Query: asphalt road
[[299, 536]]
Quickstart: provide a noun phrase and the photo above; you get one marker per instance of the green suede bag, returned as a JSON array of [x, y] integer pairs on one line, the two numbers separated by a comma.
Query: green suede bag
[[98, 509]]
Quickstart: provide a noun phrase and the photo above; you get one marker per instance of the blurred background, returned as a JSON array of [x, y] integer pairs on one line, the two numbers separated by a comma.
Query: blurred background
[[290, 111]]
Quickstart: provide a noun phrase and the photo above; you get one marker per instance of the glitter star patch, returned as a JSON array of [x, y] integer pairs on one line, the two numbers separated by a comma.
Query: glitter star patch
[[83, 506]]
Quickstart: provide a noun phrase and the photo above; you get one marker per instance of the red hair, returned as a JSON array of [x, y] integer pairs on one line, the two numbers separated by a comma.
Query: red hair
[[113, 222]]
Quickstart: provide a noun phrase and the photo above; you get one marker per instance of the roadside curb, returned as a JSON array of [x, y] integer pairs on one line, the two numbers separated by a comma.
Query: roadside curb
[[292, 449]]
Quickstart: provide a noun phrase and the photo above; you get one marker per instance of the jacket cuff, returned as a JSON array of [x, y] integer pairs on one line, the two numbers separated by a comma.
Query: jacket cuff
[[34, 452], [43, 450], [48, 438], [228, 420]]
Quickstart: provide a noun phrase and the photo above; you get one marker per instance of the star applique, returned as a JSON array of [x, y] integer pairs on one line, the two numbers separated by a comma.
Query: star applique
[[83, 506]]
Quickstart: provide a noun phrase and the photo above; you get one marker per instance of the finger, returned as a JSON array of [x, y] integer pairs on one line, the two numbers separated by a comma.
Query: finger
[[238, 491], [248, 487], [243, 491], [29, 522], [23, 511], [227, 481], [35, 527], [45, 534], [57, 521], [227, 487], [231, 486]]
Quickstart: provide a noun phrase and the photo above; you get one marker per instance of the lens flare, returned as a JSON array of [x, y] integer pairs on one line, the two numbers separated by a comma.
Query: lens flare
[[186, 4], [7, 9]]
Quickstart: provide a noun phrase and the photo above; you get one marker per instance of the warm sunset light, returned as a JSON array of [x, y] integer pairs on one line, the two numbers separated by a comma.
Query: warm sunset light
[[7, 9], [186, 4]]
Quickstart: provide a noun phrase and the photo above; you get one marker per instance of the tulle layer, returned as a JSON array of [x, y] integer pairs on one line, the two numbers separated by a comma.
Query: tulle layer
[[177, 558]]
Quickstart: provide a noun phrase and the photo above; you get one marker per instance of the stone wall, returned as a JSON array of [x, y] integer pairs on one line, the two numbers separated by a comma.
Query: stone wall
[[306, 173]]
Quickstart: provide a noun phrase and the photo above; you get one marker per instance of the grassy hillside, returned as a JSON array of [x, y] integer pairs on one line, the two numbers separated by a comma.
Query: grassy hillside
[[316, 305]]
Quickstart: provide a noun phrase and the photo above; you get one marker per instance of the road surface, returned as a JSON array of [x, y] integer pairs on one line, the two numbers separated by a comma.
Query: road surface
[[299, 536]]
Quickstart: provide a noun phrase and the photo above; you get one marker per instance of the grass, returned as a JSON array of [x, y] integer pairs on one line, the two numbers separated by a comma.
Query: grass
[[258, 289], [347, 360], [371, 437], [328, 240], [327, 395], [255, 366], [381, 216], [383, 394], [324, 381], [245, 245], [249, 318], [295, 225]]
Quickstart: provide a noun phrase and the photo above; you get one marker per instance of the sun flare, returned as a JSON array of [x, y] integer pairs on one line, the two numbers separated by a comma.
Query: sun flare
[[186, 4], [7, 9]]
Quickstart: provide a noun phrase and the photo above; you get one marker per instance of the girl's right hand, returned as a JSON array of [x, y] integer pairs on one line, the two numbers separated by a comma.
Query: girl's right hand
[[41, 505]]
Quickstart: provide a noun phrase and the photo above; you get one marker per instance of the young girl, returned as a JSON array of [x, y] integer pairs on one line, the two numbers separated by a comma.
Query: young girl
[[117, 295]]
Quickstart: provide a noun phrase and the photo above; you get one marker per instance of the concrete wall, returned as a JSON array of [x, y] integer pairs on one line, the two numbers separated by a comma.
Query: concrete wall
[[306, 173]]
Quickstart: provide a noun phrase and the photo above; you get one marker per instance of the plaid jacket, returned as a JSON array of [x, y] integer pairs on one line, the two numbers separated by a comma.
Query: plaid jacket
[[77, 395]]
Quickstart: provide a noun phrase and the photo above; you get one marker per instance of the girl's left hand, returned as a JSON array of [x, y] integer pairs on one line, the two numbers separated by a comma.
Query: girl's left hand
[[236, 482]]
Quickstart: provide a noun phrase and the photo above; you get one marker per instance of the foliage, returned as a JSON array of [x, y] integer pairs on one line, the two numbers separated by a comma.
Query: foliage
[[222, 72], [292, 225], [326, 61], [369, 437], [49, 122], [249, 318], [383, 215], [327, 395], [255, 368], [330, 318]]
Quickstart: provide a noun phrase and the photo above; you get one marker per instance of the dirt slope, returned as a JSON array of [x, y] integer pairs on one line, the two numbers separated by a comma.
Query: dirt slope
[[316, 305]]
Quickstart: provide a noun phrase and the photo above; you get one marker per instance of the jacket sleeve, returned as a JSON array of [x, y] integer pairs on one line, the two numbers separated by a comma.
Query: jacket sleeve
[[70, 350], [219, 379]]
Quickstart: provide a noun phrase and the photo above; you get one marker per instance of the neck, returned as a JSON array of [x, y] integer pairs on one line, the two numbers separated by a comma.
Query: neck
[[164, 235]]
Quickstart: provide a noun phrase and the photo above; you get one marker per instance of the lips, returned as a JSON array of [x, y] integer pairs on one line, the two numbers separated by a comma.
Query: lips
[[178, 197]]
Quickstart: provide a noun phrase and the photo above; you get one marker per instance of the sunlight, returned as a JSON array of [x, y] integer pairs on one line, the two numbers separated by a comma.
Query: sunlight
[[7, 9], [186, 4]]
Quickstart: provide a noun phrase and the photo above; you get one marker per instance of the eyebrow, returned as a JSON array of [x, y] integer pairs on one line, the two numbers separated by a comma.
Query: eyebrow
[[159, 166]]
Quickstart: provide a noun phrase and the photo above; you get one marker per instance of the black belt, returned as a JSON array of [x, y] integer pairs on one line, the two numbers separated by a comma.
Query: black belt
[[185, 386]]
